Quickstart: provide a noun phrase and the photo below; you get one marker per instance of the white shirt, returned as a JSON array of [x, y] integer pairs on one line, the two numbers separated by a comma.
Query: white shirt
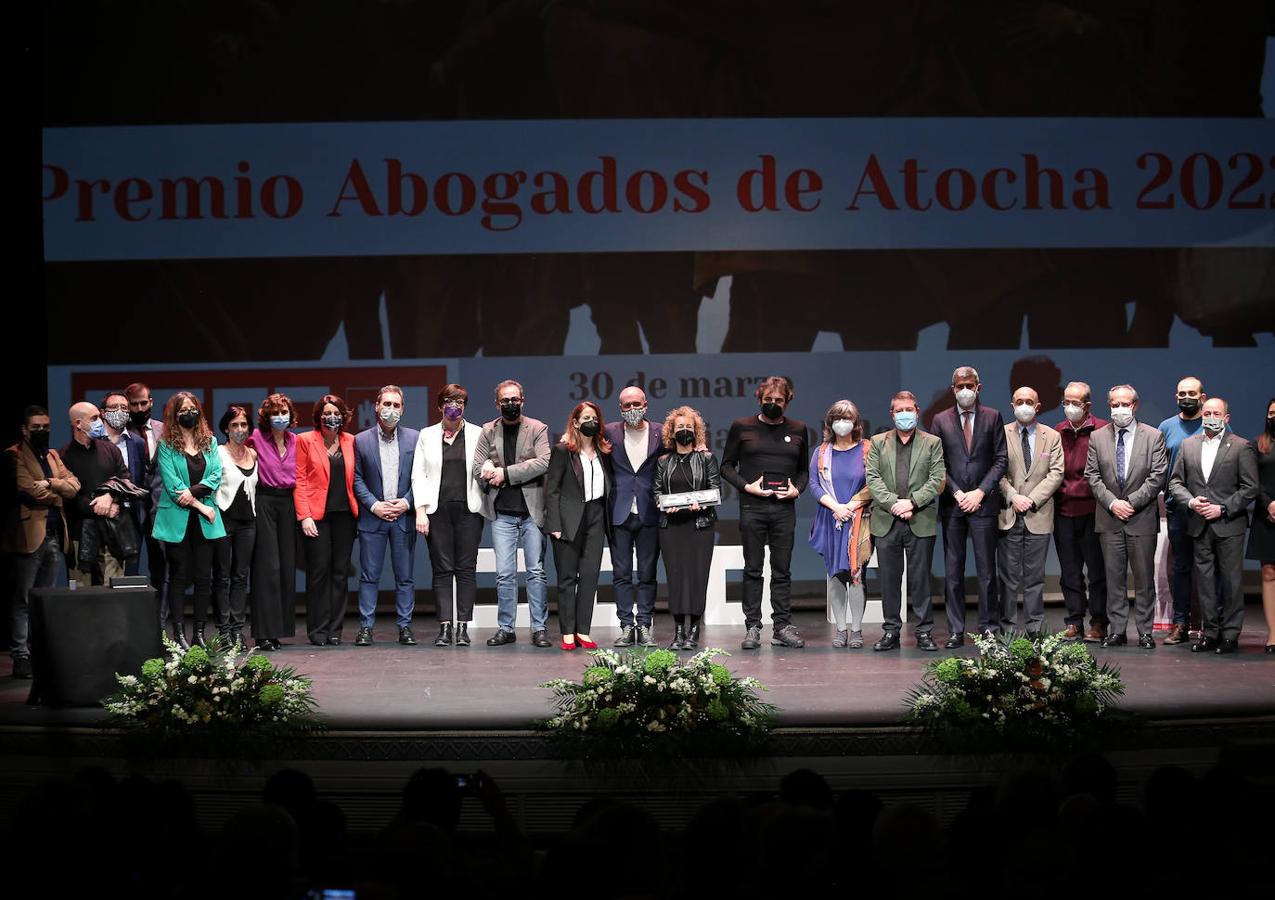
[[1208, 452], [389, 462], [594, 477], [635, 440]]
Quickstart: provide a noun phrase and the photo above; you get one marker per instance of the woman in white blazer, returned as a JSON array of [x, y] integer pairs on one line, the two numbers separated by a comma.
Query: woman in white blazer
[[237, 499], [447, 512]]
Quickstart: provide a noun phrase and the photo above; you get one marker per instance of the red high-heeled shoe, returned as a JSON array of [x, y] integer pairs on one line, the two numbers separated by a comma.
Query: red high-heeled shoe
[[570, 646], [588, 645]]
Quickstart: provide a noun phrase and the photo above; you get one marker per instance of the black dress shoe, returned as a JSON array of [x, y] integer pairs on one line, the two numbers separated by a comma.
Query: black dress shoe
[[957, 639], [444, 638], [179, 635], [1146, 642], [540, 638], [502, 637], [265, 645], [1227, 645], [1204, 645], [22, 667], [889, 641], [198, 639], [364, 638], [1115, 640], [462, 634], [405, 636], [275, 644], [925, 642], [319, 642], [1270, 648], [334, 640]]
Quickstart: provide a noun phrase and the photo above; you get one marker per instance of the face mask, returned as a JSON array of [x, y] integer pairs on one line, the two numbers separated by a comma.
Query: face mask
[[97, 429], [390, 416], [139, 419], [772, 410], [905, 421], [333, 423], [116, 418], [280, 423], [1025, 412], [842, 427], [39, 441], [634, 417], [511, 411], [965, 398], [1270, 425], [685, 437], [188, 419], [1213, 423], [239, 437], [453, 411], [1075, 413], [589, 428], [1121, 415], [1189, 405]]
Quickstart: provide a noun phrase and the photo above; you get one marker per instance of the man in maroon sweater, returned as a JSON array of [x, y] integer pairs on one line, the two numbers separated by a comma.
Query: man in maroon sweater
[[1074, 538]]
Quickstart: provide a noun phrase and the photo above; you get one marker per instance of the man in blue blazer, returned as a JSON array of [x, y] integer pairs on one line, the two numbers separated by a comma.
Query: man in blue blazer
[[136, 458], [636, 445], [383, 457], [976, 457]]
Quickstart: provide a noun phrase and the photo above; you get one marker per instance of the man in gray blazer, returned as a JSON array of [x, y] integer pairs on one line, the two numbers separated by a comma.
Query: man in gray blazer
[[509, 464], [1126, 468], [1215, 477]]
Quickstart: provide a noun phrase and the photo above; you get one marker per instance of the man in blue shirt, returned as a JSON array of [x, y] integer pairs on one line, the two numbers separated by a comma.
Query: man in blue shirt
[[1177, 429]]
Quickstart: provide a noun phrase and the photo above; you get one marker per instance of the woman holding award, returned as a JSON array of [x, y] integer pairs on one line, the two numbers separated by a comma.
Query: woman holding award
[[686, 530]]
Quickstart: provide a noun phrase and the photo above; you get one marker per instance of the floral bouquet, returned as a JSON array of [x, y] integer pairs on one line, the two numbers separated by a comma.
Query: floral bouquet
[[210, 700], [1020, 695], [650, 703]]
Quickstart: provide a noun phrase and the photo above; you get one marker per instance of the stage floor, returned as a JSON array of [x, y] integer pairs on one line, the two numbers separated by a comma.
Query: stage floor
[[387, 687]]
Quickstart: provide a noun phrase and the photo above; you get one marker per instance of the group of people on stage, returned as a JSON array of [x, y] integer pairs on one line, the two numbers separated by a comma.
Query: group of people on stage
[[221, 517]]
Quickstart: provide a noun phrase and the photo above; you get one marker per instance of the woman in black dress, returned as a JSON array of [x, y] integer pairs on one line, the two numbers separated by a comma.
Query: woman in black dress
[[686, 533], [1261, 536]]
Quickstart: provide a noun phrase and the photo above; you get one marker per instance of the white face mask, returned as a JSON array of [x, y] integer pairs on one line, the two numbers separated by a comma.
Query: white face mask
[[842, 427], [1121, 415], [965, 398], [389, 415], [1214, 423], [1025, 412], [1075, 412]]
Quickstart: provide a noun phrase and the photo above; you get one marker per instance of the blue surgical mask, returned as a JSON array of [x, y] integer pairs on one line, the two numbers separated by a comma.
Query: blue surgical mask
[[280, 423], [905, 421], [97, 429]]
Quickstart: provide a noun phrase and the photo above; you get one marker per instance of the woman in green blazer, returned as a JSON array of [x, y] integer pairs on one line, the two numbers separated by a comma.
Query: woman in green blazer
[[186, 519]]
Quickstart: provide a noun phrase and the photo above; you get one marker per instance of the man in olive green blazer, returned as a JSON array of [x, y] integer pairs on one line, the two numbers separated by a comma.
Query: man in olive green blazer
[[905, 473]]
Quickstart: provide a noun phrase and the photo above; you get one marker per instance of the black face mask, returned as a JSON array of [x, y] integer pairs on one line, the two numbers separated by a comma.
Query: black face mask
[[685, 437], [1270, 425], [589, 429], [333, 423], [39, 441], [139, 419], [188, 419], [772, 410], [1189, 405], [511, 411]]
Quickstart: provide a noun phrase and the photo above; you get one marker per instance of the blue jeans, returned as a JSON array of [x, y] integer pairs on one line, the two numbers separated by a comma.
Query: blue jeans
[[507, 533], [372, 545], [630, 534]]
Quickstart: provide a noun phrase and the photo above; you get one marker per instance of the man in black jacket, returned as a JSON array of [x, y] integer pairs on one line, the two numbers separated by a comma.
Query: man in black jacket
[[93, 460]]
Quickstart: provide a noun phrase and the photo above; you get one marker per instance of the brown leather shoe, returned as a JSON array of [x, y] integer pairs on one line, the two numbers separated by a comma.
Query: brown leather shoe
[[1096, 633], [1072, 633], [1177, 635]]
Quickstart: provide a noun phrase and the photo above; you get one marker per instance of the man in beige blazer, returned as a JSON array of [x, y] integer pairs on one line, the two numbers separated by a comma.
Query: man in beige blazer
[[1034, 474]]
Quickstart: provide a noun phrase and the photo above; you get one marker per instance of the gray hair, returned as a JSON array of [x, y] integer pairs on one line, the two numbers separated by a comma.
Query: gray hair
[[966, 372], [1084, 387], [1122, 387], [509, 382], [842, 409]]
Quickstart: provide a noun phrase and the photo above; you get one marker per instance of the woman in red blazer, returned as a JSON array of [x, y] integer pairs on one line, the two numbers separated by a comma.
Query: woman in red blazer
[[326, 509]]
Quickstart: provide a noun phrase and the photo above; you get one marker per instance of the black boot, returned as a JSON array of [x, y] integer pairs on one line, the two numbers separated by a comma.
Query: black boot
[[679, 638], [198, 638], [692, 638], [179, 635]]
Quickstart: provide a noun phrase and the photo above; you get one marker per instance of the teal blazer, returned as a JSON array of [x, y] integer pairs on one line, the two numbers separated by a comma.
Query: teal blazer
[[171, 519]]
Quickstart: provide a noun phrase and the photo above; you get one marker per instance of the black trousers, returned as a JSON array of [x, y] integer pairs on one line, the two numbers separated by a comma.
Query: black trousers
[[631, 583], [230, 574], [769, 523], [897, 546], [274, 566], [190, 562], [1080, 552], [157, 571], [454, 535], [983, 531], [327, 575], [578, 562]]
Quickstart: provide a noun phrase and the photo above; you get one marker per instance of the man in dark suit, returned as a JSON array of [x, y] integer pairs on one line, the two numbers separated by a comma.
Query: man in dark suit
[[383, 456], [976, 457], [136, 457], [1215, 478], [1126, 467], [635, 520]]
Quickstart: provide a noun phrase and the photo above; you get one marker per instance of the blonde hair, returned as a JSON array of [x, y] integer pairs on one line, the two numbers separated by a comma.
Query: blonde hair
[[686, 412]]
